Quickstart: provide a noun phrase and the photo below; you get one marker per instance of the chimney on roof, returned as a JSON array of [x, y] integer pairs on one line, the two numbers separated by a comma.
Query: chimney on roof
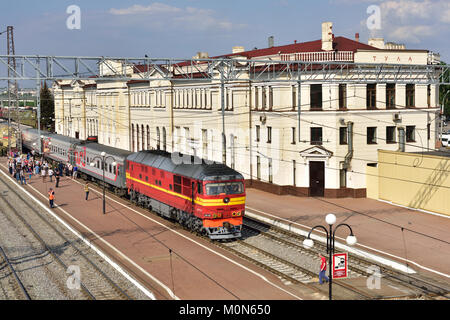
[[238, 49], [327, 36], [201, 55], [271, 41], [357, 37]]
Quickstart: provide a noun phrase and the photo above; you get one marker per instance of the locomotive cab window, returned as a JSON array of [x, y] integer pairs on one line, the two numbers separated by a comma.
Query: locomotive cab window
[[199, 188], [213, 189]]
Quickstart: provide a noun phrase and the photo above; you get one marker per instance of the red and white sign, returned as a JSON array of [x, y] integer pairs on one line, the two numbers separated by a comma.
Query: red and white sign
[[340, 265]]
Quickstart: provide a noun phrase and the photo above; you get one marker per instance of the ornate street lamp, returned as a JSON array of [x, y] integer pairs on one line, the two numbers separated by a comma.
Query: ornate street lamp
[[103, 159], [308, 243]]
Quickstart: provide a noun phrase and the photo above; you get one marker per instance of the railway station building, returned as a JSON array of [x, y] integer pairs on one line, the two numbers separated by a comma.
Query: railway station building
[[341, 128]]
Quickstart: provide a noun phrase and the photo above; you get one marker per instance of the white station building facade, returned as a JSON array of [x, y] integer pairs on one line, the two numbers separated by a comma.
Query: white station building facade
[[342, 125]]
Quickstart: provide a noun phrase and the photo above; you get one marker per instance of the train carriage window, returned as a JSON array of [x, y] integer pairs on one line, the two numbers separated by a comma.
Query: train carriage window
[[110, 168], [146, 178], [140, 176]]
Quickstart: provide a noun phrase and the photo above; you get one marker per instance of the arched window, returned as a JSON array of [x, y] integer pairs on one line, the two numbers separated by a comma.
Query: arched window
[[132, 138], [143, 137], [148, 137], [164, 139], [137, 138], [158, 138]]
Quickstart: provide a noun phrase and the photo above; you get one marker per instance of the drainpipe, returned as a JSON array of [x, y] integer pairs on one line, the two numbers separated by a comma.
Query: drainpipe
[[349, 155], [401, 139]]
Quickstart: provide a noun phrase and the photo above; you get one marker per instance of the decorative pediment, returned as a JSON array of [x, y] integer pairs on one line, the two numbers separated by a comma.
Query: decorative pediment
[[316, 152]]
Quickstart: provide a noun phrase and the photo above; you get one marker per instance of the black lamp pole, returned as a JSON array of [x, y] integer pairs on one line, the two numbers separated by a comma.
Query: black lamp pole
[[330, 249], [103, 159]]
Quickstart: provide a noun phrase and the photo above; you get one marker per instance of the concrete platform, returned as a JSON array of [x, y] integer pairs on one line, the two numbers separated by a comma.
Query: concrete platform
[[170, 262]]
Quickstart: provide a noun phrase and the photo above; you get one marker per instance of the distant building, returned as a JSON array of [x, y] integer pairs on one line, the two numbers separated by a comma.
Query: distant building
[[342, 124]]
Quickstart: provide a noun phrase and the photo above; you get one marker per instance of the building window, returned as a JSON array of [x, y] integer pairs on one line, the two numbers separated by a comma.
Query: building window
[[269, 134], [410, 96], [257, 128], [316, 136], [164, 139], [158, 138], [390, 96], [410, 133], [264, 97], [371, 96], [293, 135], [429, 95], [316, 96], [390, 134], [343, 135], [148, 137], [371, 135], [270, 98], [256, 98], [143, 137], [258, 167], [342, 96]]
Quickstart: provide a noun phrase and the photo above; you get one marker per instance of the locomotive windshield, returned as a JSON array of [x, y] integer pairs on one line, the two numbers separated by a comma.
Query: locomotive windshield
[[214, 189]]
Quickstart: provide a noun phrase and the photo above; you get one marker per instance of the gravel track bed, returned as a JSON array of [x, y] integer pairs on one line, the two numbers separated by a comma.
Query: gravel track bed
[[46, 278]]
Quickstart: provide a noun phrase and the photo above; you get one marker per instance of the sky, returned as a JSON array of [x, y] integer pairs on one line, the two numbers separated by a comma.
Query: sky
[[180, 29]]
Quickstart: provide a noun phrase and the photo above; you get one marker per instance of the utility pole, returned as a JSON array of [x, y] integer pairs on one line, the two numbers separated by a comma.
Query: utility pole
[[222, 101], [12, 85]]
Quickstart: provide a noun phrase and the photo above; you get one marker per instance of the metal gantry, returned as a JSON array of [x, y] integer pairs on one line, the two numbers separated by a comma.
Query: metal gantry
[[217, 70]]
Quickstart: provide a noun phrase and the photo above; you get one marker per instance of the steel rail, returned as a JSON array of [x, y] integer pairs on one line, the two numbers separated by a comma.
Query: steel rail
[[395, 276], [13, 271], [52, 251]]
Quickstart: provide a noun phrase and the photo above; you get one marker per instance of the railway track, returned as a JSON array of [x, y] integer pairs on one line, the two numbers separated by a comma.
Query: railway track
[[357, 266], [14, 289], [296, 274], [94, 283]]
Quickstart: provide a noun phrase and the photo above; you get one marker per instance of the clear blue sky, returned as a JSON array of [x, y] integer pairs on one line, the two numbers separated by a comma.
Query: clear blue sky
[[179, 29]]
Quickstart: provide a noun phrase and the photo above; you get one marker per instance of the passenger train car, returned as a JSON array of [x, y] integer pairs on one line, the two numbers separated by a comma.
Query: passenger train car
[[205, 197]]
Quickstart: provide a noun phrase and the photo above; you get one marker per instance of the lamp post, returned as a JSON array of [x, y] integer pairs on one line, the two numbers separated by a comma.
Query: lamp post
[[103, 159], [308, 243]]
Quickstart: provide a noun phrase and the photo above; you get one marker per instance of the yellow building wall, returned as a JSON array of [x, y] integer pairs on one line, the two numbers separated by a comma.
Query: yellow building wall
[[372, 182], [415, 180]]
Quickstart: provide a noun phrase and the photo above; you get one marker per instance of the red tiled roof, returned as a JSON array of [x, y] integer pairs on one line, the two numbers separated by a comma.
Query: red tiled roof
[[339, 44]]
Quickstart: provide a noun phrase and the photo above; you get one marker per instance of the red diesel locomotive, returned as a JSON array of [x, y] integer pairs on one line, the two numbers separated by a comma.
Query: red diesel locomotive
[[207, 198]]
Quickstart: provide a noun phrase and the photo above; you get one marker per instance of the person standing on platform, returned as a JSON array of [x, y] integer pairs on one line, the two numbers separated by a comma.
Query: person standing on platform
[[43, 172], [75, 172], [323, 269], [57, 177], [51, 197], [50, 173], [86, 189]]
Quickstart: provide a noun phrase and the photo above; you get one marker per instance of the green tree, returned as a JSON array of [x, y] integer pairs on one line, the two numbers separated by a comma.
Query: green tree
[[47, 109], [443, 89]]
